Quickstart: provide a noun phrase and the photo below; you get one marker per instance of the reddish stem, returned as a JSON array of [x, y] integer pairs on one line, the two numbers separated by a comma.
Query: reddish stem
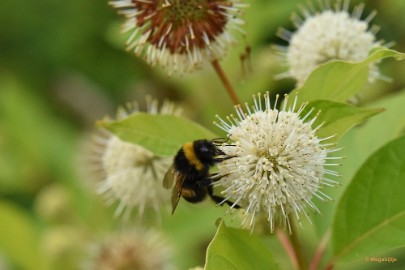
[[224, 79], [320, 251], [302, 264], [285, 242]]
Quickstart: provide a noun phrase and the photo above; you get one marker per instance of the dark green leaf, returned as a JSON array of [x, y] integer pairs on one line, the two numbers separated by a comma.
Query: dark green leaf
[[359, 143], [370, 217]]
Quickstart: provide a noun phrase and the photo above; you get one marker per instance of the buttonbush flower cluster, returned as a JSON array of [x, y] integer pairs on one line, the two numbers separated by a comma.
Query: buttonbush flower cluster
[[180, 35], [130, 174], [278, 162], [328, 34], [130, 249]]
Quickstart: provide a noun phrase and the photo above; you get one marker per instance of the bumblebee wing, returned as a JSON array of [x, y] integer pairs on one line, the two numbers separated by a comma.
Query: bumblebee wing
[[169, 178], [176, 191]]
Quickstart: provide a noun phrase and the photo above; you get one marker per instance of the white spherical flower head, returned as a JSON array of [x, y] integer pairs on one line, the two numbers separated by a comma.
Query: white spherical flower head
[[277, 162], [177, 34], [130, 174], [141, 249], [133, 177], [329, 34]]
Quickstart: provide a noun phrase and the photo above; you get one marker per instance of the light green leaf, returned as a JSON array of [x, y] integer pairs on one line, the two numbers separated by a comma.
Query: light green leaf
[[370, 217], [381, 129], [337, 118], [161, 134], [18, 238], [236, 249], [340, 80]]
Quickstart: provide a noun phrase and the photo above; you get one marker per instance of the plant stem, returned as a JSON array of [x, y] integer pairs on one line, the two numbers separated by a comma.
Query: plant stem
[[297, 247], [224, 79], [320, 251], [285, 242]]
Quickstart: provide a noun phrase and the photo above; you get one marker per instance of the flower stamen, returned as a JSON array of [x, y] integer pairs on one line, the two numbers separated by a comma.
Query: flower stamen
[[339, 35], [278, 161], [179, 34]]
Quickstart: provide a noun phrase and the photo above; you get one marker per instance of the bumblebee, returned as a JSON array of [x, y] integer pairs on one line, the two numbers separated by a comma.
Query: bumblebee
[[190, 173]]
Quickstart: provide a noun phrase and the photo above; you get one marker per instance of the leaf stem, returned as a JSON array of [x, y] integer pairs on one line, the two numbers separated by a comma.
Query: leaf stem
[[224, 79], [320, 251]]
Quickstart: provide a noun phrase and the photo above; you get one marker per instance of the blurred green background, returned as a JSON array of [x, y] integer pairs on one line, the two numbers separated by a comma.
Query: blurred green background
[[63, 66]]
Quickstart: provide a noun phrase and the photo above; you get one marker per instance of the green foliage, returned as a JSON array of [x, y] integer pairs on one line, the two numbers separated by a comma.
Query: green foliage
[[359, 143], [42, 47], [340, 80], [164, 134], [161, 134], [235, 249], [19, 238], [36, 147], [337, 118], [370, 217], [379, 130]]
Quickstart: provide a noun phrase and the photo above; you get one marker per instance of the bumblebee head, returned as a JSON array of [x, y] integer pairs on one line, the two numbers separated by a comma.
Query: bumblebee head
[[206, 151]]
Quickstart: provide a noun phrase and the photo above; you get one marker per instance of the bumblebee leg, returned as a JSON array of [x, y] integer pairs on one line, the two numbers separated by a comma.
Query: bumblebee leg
[[205, 182], [213, 177], [219, 160], [219, 141], [220, 200]]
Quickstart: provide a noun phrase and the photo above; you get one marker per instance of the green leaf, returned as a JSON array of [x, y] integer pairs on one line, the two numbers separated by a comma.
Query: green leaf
[[161, 134], [337, 118], [359, 143], [370, 217], [340, 80], [236, 249], [18, 238], [378, 131]]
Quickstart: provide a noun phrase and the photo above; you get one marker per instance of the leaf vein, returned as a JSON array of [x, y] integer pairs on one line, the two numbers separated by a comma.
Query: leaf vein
[[368, 233]]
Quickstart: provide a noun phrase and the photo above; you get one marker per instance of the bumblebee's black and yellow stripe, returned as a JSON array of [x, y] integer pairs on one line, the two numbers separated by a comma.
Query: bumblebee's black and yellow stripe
[[190, 171]]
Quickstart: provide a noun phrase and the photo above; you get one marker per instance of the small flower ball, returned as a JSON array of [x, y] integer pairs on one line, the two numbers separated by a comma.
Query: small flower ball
[[179, 35], [277, 163], [329, 34], [131, 174], [130, 249]]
